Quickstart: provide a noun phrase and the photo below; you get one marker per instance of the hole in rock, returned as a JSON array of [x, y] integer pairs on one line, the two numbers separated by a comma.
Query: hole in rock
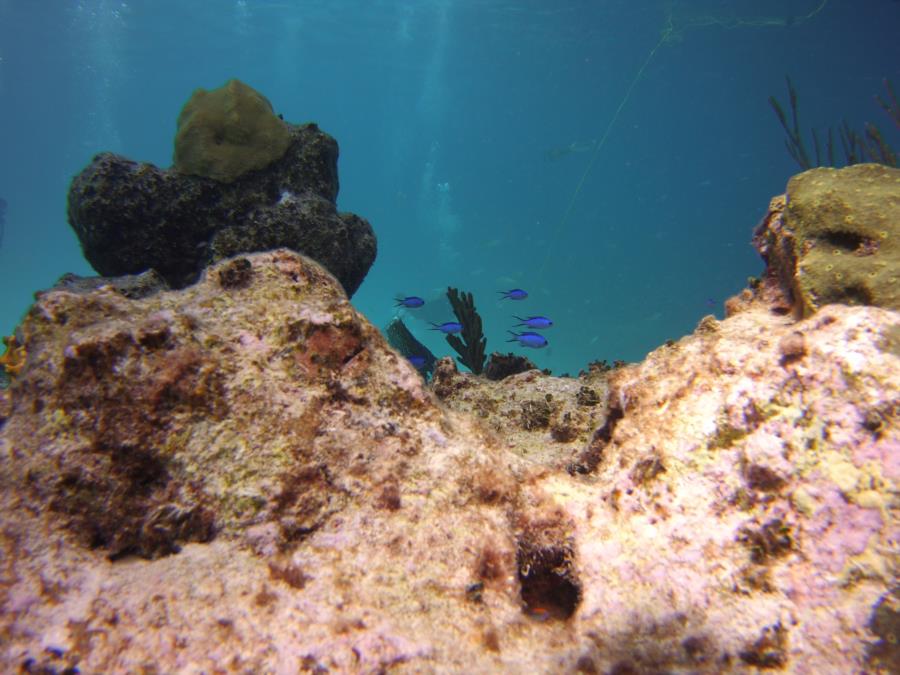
[[848, 241], [550, 589]]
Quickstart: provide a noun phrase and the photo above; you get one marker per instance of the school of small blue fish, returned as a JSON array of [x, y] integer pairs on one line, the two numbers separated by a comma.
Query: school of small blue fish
[[448, 327], [539, 322], [528, 339], [410, 302], [525, 338]]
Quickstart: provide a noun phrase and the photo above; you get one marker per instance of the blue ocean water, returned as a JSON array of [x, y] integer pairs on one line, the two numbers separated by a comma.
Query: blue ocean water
[[609, 156]]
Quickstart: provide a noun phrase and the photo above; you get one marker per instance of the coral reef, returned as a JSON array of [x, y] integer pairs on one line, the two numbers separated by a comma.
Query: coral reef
[[244, 475], [132, 217], [471, 346], [836, 238], [129, 285], [539, 417], [227, 132]]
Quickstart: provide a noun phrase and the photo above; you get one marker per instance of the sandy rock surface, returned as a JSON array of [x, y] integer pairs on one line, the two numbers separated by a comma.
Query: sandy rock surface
[[243, 477]]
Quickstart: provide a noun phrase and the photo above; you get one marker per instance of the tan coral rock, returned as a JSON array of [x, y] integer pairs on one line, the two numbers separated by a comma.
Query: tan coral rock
[[546, 420], [835, 238], [243, 476]]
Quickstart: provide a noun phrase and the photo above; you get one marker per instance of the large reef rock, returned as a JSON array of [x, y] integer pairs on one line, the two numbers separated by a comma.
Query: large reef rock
[[131, 217], [835, 237], [242, 475]]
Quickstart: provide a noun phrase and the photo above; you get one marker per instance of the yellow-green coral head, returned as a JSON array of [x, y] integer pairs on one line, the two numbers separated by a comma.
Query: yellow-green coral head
[[226, 132]]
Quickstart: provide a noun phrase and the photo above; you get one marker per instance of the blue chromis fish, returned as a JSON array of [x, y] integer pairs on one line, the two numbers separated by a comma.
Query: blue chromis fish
[[417, 361], [410, 302], [513, 294], [448, 327], [529, 339], [538, 322]]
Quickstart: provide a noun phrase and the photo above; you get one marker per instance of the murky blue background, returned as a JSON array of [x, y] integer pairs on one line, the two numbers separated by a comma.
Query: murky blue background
[[466, 128]]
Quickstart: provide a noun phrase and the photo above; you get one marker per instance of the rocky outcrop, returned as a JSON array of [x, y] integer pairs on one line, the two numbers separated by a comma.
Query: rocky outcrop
[[835, 238], [129, 285], [131, 217], [242, 474]]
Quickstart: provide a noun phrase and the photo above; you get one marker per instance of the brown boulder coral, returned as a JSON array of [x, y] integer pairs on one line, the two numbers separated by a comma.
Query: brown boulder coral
[[836, 238]]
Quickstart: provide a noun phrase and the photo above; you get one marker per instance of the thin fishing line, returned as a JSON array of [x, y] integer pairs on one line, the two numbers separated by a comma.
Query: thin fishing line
[[667, 32], [596, 154]]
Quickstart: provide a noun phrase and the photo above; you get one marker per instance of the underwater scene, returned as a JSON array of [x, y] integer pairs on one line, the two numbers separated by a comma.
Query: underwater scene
[[465, 336], [610, 158]]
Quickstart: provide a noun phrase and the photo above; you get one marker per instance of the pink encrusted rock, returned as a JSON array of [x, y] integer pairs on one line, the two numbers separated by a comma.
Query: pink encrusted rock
[[245, 477], [777, 474]]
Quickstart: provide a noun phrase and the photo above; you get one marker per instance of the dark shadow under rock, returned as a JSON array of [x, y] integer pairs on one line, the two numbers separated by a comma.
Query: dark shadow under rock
[[500, 366]]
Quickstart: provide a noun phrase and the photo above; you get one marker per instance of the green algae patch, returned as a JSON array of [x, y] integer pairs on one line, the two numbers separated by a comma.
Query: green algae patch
[[226, 132], [846, 225], [726, 436]]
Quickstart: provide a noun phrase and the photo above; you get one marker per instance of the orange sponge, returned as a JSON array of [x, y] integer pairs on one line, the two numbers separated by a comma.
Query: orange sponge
[[14, 359]]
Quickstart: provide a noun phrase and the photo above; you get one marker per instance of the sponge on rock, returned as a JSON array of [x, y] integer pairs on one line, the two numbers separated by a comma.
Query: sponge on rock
[[226, 132]]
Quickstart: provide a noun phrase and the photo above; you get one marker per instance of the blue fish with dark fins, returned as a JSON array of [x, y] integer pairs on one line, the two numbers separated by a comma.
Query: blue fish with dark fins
[[538, 322], [529, 339], [418, 361], [410, 302], [448, 327], [513, 294]]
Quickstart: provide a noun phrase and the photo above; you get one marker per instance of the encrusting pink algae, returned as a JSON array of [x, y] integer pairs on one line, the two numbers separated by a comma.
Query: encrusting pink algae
[[243, 476]]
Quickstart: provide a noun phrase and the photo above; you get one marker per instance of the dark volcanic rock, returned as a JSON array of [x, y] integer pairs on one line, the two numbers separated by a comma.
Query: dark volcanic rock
[[131, 217]]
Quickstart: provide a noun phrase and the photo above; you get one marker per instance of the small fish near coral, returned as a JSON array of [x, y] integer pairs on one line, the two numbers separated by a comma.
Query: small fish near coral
[[418, 361], [528, 339], [410, 302], [448, 327], [513, 294], [414, 351], [537, 322]]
